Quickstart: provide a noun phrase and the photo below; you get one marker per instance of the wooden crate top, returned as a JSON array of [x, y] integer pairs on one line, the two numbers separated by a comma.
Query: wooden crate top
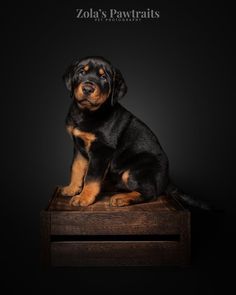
[[163, 203]]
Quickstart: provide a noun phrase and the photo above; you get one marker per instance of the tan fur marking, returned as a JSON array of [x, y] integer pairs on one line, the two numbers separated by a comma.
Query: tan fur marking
[[86, 68], [69, 129], [101, 71], [125, 199], [87, 137], [78, 91], [96, 97], [78, 171], [125, 177], [88, 194]]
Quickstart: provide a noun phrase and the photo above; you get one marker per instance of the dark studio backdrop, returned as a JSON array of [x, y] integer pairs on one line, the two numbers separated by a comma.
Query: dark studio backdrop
[[179, 74]]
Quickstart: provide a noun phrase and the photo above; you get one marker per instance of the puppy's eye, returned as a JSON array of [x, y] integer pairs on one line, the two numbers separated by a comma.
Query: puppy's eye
[[82, 72], [103, 77]]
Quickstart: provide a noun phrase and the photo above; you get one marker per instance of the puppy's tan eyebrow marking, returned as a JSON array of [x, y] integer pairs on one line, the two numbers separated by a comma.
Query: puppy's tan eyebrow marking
[[101, 71], [86, 68]]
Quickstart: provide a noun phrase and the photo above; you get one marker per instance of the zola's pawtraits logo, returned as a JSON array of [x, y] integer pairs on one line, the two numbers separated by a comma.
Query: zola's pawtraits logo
[[116, 15]]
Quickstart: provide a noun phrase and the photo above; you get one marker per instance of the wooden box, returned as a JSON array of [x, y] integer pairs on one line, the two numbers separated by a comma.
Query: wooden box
[[149, 234]]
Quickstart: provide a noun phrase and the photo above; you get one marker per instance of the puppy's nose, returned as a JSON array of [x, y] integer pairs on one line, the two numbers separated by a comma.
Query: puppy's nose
[[88, 89]]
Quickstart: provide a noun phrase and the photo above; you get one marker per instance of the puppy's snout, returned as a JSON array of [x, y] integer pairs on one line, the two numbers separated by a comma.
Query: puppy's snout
[[88, 88]]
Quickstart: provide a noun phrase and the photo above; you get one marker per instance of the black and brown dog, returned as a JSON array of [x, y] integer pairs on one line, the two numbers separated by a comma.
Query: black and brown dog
[[112, 147]]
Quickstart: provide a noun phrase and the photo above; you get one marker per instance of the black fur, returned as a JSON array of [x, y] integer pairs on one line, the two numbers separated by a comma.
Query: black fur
[[123, 142]]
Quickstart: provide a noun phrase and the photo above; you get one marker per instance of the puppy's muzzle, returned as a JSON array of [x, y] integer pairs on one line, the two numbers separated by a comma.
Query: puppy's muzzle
[[88, 88]]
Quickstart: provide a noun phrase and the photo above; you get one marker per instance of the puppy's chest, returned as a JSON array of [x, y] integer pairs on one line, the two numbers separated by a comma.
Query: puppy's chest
[[92, 140], [88, 138], [93, 135]]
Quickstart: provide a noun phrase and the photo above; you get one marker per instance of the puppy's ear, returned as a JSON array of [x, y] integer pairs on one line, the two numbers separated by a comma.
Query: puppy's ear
[[119, 86], [69, 76]]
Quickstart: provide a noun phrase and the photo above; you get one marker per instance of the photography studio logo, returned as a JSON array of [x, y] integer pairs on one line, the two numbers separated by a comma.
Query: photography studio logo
[[115, 15]]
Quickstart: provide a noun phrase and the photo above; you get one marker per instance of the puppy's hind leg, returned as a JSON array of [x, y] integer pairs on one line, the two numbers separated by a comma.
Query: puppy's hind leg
[[135, 193], [125, 199]]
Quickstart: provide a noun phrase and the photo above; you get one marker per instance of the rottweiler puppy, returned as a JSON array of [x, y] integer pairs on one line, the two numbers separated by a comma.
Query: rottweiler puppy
[[112, 148]]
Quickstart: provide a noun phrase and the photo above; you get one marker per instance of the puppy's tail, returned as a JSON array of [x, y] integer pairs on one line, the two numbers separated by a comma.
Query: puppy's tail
[[186, 200]]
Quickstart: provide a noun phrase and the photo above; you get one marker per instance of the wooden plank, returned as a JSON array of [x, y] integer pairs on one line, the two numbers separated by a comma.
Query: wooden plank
[[64, 230], [61, 203], [114, 223], [109, 253]]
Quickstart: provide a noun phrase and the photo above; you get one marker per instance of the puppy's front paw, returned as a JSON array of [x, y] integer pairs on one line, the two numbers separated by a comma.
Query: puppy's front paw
[[80, 200], [75, 201], [70, 190]]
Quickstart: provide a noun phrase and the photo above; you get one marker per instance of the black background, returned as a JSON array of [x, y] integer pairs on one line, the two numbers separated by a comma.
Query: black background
[[179, 71]]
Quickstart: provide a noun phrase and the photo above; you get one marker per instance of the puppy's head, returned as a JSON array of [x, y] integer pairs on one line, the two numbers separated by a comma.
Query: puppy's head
[[92, 81]]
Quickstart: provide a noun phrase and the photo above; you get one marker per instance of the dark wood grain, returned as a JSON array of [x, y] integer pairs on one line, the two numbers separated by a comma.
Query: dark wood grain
[[61, 203], [114, 223], [89, 236], [116, 253]]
